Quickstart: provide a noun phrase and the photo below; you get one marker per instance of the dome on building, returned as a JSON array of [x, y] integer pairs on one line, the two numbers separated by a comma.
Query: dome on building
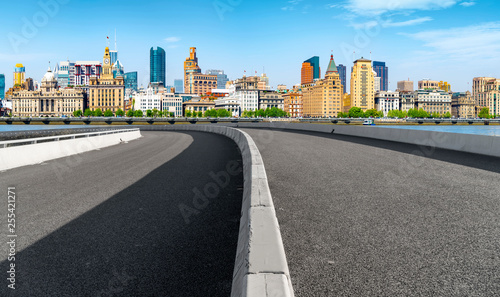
[[49, 76]]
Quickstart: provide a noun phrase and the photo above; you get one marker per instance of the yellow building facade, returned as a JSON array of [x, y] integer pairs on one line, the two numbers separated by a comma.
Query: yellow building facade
[[194, 81], [19, 75], [106, 92], [362, 85], [324, 98]]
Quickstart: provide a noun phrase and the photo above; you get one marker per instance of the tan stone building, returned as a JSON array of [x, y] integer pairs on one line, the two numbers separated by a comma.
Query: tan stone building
[[196, 82], [107, 92], [249, 83], [463, 105], [324, 97], [196, 105], [405, 86], [293, 104], [433, 101], [362, 85], [428, 84], [270, 99], [486, 93], [48, 101], [347, 103]]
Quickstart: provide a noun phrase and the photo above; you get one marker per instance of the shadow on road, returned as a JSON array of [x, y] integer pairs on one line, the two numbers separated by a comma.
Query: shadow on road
[[137, 243]]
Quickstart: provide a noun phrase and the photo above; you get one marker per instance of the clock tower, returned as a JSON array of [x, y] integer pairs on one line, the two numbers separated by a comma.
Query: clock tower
[[107, 72]]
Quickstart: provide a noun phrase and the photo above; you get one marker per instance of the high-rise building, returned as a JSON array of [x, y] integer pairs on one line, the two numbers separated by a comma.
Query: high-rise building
[[130, 80], [19, 75], [310, 70], [221, 77], [405, 86], [106, 92], [293, 104], [157, 66], [324, 97], [376, 82], [196, 82], [342, 73], [118, 69], [179, 85], [362, 85], [113, 54], [2, 86], [382, 72], [77, 73], [463, 105]]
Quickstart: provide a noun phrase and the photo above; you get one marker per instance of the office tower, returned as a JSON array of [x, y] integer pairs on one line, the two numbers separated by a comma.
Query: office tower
[[113, 54], [157, 66], [382, 72], [179, 85], [221, 77], [2, 86], [118, 69], [405, 86], [130, 79], [106, 92], [486, 93], [342, 73], [362, 85], [310, 70], [19, 75]]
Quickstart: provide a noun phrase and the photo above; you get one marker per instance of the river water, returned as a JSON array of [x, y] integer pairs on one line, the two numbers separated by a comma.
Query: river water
[[473, 129]]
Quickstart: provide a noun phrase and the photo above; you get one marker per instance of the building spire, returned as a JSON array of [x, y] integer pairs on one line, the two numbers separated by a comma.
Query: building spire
[[332, 68]]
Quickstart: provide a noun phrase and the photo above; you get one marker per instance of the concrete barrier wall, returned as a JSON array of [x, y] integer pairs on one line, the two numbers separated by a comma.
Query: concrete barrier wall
[[477, 144], [260, 266], [29, 154]]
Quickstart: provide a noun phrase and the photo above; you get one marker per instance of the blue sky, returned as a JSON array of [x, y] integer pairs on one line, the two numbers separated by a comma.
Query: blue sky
[[450, 40]]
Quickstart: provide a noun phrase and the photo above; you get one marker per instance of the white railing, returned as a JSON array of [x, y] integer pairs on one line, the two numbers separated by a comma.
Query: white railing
[[18, 142]]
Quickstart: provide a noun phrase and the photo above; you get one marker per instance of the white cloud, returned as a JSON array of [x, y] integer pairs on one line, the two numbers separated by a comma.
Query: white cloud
[[378, 7], [172, 39], [472, 42], [390, 24], [467, 4], [292, 4]]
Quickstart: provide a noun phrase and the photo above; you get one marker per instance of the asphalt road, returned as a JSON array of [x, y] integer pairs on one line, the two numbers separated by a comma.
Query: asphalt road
[[109, 222], [364, 217]]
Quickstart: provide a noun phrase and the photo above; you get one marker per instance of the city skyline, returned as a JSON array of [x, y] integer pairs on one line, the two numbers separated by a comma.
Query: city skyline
[[415, 39]]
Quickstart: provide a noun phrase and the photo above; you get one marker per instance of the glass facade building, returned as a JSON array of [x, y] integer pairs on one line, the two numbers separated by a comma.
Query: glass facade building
[[130, 80], [2, 86], [382, 72], [157, 65], [221, 77], [314, 61], [342, 73], [179, 85], [113, 54]]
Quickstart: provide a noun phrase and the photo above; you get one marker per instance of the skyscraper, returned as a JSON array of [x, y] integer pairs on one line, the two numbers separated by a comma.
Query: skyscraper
[[179, 85], [362, 85], [2, 86], [310, 70], [221, 77], [113, 54], [157, 66], [19, 74], [130, 80], [382, 72], [196, 82], [342, 73]]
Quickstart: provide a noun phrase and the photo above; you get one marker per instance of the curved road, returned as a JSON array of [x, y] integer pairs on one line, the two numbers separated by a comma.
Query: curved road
[[109, 222], [363, 217]]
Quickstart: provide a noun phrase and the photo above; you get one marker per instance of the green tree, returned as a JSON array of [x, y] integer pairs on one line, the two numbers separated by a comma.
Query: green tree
[[138, 113], [120, 112], [260, 113], [149, 113], [188, 113], [130, 113], [88, 113], [484, 113], [223, 113], [199, 114], [171, 114], [108, 113], [98, 112], [371, 113], [342, 115], [211, 113], [356, 112], [154, 112], [435, 115], [77, 113]]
